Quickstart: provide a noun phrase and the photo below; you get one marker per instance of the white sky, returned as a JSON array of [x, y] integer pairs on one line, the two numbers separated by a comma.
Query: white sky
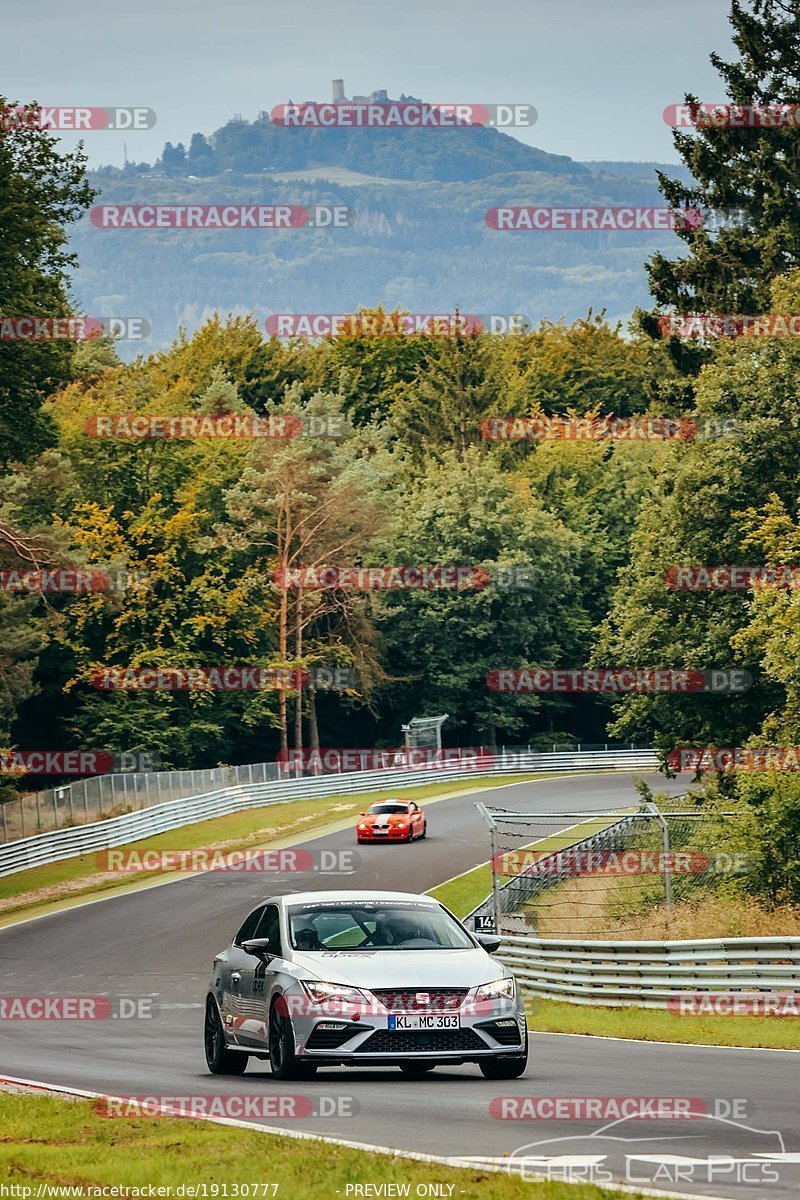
[[599, 72]]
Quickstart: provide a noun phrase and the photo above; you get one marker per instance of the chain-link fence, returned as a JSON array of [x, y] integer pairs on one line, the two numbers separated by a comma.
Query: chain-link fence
[[103, 796], [634, 873]]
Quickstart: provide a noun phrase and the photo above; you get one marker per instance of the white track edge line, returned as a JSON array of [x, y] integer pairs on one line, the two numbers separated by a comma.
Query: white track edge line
[[455, 1162]]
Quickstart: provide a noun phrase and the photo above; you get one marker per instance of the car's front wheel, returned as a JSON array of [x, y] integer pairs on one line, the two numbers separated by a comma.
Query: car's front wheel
[[282, 1056], [219, 1059], [508, 1067]]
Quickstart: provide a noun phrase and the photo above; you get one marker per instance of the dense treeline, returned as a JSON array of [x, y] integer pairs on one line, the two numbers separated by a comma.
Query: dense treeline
[[592, 527]]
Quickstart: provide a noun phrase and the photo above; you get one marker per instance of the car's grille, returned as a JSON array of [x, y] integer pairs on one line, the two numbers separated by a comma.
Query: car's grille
[[506, 1035], [332, 1039], [385, 1041], [447, 999]]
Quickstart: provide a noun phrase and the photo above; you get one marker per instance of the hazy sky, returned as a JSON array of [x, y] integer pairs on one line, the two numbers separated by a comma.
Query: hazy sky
[[600, 72]]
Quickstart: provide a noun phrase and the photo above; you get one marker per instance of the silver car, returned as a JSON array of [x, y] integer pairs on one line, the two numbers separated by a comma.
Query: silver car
[[361, 978]]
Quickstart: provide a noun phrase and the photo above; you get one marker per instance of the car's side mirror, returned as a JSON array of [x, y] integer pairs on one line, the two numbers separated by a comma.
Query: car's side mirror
[[258, 947], [362, 814], [489, 941]]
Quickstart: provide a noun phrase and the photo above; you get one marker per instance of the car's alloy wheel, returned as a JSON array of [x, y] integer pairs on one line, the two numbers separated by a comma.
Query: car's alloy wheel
[[219, 1059], [282, 1058]]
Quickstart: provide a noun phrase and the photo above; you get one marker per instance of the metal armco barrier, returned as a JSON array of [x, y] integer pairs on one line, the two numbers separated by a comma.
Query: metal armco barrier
[[647, 974], [118, 831]]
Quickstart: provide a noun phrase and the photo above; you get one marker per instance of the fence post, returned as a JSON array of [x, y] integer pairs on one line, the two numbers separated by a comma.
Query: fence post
[[653, 808], [495, 884], [55, 810], [22, 815], [38, 815], [5, 825], [71, 807]]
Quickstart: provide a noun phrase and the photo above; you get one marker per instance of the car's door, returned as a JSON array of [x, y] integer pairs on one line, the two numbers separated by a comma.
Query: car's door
[[417, 818], [234, 973], [258, 977]]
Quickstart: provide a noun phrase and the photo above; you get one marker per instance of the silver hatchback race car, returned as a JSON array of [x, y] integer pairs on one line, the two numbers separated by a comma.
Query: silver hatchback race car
[[362, 978]]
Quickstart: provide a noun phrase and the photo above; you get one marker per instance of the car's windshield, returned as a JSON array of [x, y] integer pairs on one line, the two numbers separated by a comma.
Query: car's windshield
[[388, 808], [338, 925]]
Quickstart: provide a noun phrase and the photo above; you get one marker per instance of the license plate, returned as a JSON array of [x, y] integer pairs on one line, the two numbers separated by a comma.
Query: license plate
[[379, 831], [426, 1021]]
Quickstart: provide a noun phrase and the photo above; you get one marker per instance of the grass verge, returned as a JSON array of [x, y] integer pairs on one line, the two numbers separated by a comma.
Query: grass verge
[[655, 1025], [26, 893], [64, 1143]]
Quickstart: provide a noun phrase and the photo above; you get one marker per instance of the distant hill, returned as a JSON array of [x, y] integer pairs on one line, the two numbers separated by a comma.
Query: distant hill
[[420, 155], [420, 239]]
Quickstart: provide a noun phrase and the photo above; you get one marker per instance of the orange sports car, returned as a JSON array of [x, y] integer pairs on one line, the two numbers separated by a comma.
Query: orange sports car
[[392, 821]]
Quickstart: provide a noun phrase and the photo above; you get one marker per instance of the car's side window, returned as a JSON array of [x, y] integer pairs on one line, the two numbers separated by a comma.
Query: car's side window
[[248, 930], [270, 927]]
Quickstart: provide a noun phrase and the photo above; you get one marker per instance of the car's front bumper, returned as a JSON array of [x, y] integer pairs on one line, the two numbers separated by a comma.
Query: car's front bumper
[[497, 1029]]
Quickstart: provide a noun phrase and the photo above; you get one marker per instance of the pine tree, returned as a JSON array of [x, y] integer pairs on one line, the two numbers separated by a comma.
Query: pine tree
[[753, 171]]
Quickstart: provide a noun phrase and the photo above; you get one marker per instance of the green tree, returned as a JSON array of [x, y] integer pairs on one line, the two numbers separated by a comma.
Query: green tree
[[42, 191], [754, 171]]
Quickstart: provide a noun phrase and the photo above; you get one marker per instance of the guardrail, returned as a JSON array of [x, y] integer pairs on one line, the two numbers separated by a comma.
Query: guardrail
[[648, 974], [99, 797], [130, 827]]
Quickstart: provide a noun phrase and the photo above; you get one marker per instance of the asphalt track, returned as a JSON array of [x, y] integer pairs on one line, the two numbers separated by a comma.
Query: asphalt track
[[160, 942]]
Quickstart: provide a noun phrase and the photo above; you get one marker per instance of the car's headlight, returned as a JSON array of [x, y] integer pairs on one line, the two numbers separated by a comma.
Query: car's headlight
[[320, 991], [363, 827], [501, 988]]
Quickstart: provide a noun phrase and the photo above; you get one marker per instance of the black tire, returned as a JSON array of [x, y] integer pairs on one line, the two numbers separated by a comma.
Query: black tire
[[219, 1059], [282, 1057], [509, 1067], [416, 1070], [424, 833]]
